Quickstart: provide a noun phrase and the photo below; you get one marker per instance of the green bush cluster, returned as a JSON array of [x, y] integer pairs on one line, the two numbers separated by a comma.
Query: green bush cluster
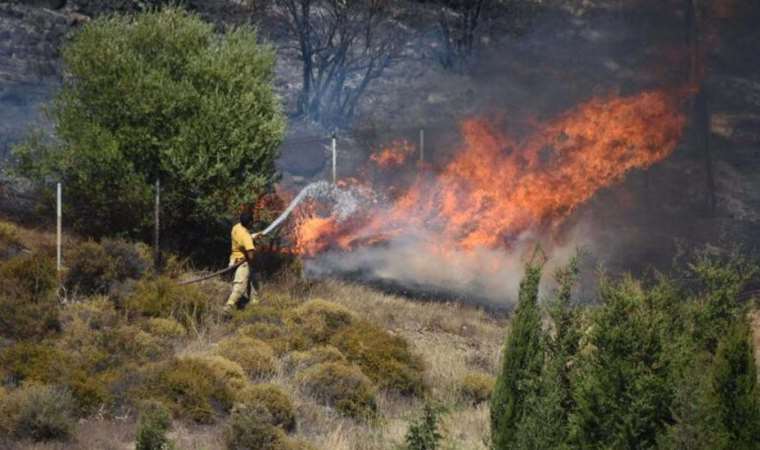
[[28, 305], [622, 374], [341, 386], [38, 412]]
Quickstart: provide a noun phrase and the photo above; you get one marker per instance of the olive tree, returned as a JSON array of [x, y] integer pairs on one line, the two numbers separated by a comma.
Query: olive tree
[[160, 95]]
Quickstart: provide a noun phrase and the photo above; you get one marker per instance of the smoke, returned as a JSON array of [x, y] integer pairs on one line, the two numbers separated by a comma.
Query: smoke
[[485, 276]]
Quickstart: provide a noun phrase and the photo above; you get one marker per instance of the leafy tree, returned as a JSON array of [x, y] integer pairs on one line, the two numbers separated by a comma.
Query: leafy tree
[[521, 366], [160, 96]]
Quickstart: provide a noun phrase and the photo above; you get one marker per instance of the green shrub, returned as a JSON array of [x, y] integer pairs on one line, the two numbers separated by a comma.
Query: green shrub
[[165, 328], [476, 388], [155, 421], [319, 320], [38, 412], [386, 359], [195, 109], [341, 386], [250, 428], [28, 305], [163, 297], [423, 434], [297, 361], [276, 402], [190, 388], [256, 357]]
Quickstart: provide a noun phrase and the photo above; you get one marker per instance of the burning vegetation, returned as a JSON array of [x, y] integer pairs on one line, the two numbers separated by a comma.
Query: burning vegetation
[[498, 187]]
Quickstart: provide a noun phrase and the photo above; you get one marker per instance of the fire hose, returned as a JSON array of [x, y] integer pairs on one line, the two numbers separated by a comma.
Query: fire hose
[[305, 192]]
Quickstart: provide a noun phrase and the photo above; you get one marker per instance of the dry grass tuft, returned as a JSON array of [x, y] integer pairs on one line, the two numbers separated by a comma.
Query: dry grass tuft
[[275, 400]]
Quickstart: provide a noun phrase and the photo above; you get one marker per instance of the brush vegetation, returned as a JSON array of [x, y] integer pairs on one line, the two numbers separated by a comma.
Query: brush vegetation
[[657, 364], [331, 365]]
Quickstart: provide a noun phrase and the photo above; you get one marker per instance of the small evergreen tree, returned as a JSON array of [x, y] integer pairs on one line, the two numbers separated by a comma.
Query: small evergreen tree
[[521, 364], [734, 383], [621, 387], [423, 434]]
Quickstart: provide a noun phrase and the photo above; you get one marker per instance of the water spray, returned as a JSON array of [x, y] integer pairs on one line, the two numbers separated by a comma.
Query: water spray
[[316, 189]]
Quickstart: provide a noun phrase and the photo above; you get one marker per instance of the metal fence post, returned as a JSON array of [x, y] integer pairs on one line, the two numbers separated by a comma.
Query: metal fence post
[[59, 230], [334, 159], [422, 145], [157, 220]]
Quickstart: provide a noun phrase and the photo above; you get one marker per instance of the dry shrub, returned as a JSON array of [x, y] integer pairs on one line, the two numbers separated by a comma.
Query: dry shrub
[[94, 268], [28, 306], [386, 359], [476, 388], [163, 297], [297, 361], [250, 428], [129, 343], [190, 388], [165, 328], [96, 313], [229, 371], [38, 412], [319, 320], [255, 356], [276, 402], [33, 362], [341, 386]]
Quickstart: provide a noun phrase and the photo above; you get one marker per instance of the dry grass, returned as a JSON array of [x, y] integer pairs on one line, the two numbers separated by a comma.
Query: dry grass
[[452, 340]]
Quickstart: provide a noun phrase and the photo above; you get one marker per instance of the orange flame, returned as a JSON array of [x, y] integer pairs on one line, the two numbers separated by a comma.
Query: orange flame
[[497, 188], [394, 155]]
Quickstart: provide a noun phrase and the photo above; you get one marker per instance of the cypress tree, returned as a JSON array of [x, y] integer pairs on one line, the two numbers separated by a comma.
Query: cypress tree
[[733, 381], [521, 364]]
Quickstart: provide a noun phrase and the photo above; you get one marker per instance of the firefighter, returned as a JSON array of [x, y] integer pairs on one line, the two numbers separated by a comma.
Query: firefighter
[[242, 252]]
